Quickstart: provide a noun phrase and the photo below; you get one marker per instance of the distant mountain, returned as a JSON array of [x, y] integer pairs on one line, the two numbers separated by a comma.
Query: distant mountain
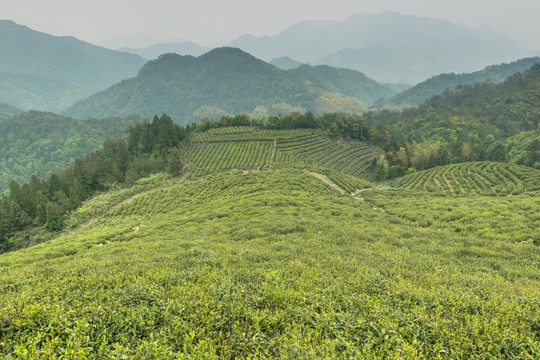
[[31, 92], [441, 83], [224, 80], [87, 67], [7, 111], [285, 63], [152, 52], [387, 47], [348, 82]]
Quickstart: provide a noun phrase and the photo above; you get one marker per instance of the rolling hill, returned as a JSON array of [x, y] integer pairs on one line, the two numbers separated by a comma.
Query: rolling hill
[[87, 68], [33, 92], [484, 121], [437, 85], [273, 263], [222, 81], [387, 47], [348, 82]]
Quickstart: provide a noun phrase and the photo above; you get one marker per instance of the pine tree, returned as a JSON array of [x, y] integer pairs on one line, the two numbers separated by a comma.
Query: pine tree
[[54, 219]]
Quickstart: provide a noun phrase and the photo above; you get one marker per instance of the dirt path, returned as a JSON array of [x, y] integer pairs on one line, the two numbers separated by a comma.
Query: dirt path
[[326, 180], [356, 194]]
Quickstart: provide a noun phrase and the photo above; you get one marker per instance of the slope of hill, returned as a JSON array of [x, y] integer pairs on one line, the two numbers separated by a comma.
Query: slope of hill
[[249, 148], [153, 51], [387, 47], [475, 122], [40, 143], [350, 83], [270, 264], [441, 83], [31, 92], [7, 111], [86, 66], [222, 81]]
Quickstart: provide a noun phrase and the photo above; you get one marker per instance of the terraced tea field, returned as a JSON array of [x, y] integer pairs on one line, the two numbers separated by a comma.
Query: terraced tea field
[[480, 178], [247, 148]]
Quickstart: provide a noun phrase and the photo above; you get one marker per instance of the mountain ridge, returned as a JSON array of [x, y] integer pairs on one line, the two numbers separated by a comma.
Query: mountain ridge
[[88, 67], [409, 39], [221, 81]]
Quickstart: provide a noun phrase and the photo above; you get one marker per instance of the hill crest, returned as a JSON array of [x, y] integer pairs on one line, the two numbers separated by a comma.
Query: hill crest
[[223, 81]]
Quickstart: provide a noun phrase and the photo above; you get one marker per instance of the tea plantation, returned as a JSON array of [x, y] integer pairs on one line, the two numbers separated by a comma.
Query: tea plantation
[[280, 264]]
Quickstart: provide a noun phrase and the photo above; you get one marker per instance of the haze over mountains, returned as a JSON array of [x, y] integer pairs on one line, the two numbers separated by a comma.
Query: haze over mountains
[[62, 69], [388, 47], [50, 73]]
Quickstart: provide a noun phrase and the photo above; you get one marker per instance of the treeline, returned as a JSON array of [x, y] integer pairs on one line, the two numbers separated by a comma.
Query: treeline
[[39, 143], [150, 148], [335, 124], [474, 123]]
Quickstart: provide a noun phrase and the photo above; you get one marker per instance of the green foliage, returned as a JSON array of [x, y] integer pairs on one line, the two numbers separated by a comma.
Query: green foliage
[[508, 219], [40, 143], [53, 220], [348, 82], [472, 123], [224, 80], [274, 264]]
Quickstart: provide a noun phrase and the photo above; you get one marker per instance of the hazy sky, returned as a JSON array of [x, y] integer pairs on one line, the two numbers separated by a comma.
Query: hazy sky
[[220, 21]]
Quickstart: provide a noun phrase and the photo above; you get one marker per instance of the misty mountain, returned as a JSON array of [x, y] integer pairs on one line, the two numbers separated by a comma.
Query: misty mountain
[[436, 85], [224, 80], [39, 93], [90, 67], [152, 52], [7, 111], [387, 47], [285, 63], [348, 82]]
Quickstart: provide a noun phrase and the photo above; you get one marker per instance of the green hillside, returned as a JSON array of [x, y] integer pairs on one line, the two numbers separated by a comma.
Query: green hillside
[[40, 143], [222, 81], [350, 83], [497, 122], [437, 85], [30, 92], [7, 111], [270, 264]]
